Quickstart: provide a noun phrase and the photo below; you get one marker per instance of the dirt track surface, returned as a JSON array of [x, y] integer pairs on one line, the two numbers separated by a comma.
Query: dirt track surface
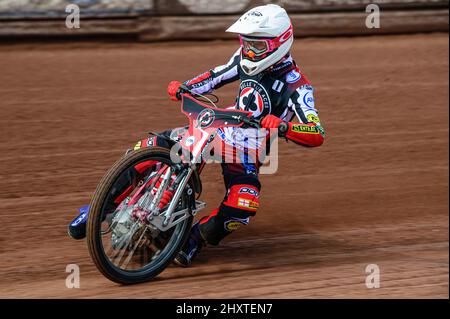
[[375, 193]]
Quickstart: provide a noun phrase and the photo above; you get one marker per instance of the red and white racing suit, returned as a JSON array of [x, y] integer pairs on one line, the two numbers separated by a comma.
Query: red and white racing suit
[[283, 91]]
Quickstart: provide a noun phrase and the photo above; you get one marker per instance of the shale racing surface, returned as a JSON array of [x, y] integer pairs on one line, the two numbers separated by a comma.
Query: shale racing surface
[[375, 193]]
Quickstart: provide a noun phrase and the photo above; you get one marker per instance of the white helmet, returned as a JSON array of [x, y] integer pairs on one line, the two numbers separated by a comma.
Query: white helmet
[[266, 36]]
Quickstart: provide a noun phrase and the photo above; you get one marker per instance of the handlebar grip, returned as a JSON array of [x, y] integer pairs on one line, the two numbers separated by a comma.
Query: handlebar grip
[[182, 89], [282, 129]]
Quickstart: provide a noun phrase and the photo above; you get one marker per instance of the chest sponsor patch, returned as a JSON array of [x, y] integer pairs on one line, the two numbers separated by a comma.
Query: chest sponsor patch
[[293, 76], [253, 97]]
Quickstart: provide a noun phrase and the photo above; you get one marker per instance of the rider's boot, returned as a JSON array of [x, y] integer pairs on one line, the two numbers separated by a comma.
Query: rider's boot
[[77, 228], [191, 248]]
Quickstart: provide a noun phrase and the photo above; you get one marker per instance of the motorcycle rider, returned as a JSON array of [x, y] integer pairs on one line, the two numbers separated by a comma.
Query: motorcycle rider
[[274, 89]]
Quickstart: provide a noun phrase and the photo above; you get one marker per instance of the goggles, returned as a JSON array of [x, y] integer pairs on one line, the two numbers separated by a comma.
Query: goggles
[[257, 48]]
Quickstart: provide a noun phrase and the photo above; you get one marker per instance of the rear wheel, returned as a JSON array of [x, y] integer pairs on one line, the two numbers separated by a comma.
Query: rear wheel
[[124, 248]]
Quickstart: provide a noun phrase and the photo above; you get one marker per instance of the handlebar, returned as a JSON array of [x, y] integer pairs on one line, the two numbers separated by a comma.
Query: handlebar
[[249, 121], [252, 122], [184, 89]]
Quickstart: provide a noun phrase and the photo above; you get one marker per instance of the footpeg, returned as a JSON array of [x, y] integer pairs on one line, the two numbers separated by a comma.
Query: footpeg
[[164, 223]]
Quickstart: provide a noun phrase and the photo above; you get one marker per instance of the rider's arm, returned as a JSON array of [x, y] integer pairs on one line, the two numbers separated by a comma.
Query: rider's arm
[[309, 131], [217, 77]]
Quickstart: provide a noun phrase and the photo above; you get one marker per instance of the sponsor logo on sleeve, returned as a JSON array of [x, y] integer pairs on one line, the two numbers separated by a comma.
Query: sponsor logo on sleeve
[[313, 118], [308, 99], [300, 128]]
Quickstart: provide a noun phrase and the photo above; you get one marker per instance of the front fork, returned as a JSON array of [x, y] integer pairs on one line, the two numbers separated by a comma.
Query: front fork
[[169, 218]]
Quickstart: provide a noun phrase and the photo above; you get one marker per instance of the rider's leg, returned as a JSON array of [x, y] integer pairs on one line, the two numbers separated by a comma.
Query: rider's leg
[[239, 204]]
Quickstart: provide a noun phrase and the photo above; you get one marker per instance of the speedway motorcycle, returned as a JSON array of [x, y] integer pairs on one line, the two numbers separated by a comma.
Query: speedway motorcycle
[[132, 237]]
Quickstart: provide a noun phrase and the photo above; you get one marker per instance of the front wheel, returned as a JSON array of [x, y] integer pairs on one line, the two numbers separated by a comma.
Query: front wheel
[[124, 248]]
